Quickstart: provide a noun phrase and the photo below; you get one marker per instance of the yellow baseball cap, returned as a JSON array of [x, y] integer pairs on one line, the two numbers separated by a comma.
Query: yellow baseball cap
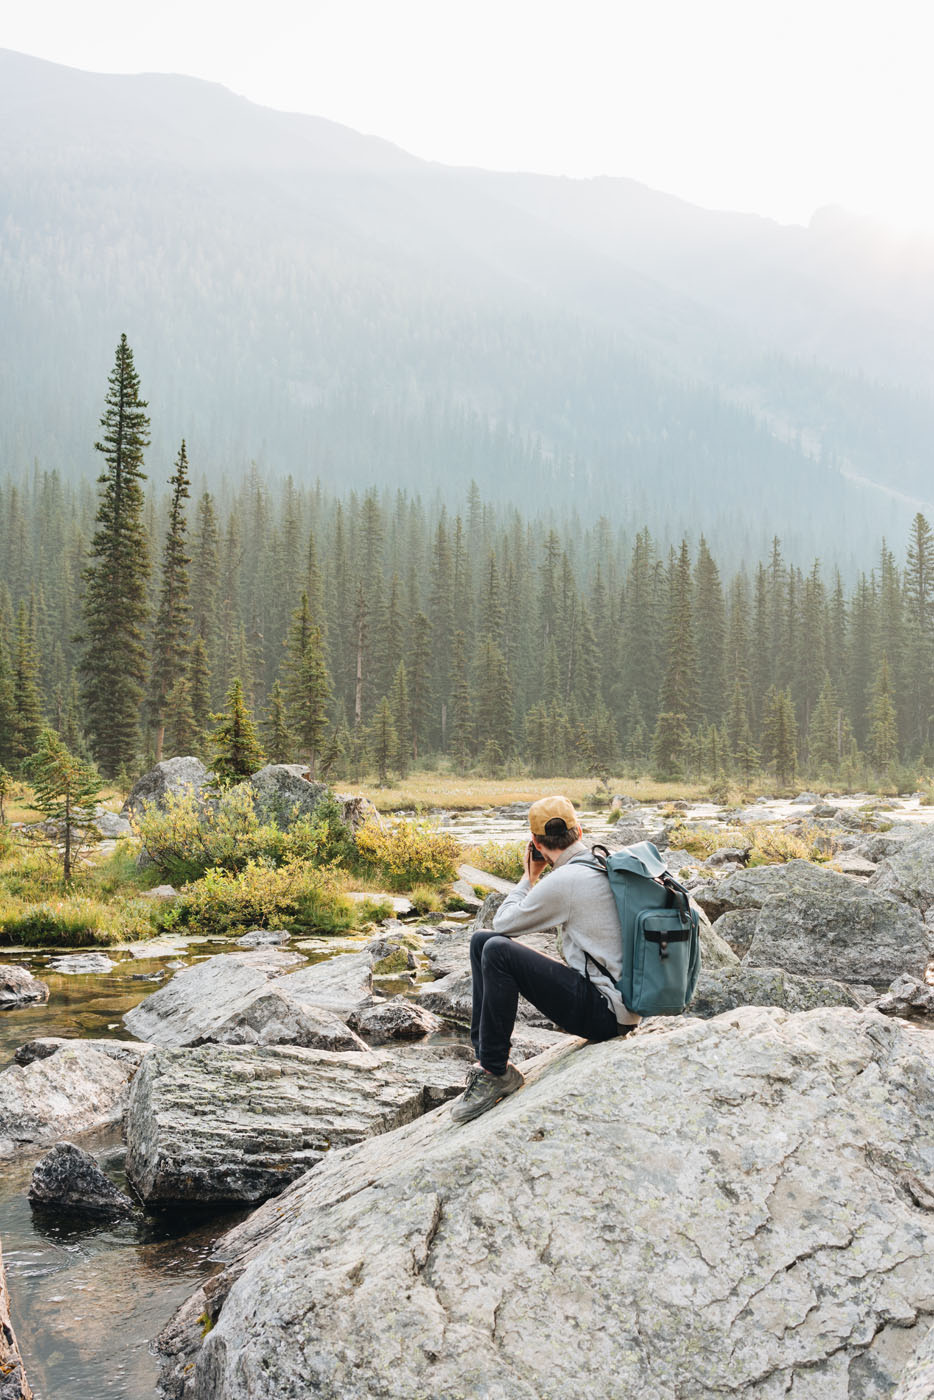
[[548, 809]]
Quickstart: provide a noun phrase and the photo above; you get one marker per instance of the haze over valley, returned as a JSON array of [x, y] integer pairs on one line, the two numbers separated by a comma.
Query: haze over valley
[[327, 306]]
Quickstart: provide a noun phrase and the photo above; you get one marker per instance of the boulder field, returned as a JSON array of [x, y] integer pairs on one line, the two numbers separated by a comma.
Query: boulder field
[[739, 1206]]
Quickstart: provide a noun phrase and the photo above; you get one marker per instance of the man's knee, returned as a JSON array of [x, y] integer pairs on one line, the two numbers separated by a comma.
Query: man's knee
[[496, 950], [479, 939]]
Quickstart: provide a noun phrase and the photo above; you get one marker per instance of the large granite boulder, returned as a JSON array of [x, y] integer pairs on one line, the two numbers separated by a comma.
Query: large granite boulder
[[908, 873], [815, 922], [172, 777], [186, 1010], [69, 1179], [283, 792], [725, 988], [228, 1123], [66, 1093], [13, 1382], [18, 987], [731, 1207]]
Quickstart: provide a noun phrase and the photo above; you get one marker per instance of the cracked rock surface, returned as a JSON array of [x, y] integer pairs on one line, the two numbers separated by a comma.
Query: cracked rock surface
[[735, 1207], [49, 1098], [238, 1123]]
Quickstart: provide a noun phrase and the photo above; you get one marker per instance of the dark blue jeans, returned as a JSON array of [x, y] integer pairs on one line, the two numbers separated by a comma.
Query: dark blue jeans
[[502, 968]]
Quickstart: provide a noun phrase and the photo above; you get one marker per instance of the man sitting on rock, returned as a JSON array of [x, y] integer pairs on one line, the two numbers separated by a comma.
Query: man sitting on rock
[[575, 994]]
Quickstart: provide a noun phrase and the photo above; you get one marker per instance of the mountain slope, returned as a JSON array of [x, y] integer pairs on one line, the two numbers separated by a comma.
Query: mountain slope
[[326, 304]]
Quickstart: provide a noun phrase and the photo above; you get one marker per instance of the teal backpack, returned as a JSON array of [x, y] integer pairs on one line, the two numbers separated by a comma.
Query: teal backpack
[[660, 930]]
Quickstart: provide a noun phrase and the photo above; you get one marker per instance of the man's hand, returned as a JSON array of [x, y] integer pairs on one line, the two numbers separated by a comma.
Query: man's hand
[[532, 868]]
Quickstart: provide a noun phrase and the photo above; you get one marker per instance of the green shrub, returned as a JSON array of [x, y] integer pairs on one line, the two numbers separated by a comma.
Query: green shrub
[[501, 858], [31, 874], [265, 896], [74, 922], [188, 837], [404, 853], [426, 899]]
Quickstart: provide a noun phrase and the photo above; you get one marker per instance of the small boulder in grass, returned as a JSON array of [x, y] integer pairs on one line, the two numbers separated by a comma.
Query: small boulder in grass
[[68, 1179]]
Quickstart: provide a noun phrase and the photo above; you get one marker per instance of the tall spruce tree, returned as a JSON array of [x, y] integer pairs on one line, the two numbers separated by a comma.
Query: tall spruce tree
[[27, 701], [173, 618], [236, 750], [882, 739], [308, 685], [113, 666]]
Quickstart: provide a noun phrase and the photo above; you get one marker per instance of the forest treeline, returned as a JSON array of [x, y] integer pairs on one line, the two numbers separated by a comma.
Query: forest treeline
[[370, 632]]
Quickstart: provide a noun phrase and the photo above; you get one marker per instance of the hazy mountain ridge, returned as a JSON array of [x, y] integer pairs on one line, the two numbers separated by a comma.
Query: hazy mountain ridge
[[325, 303]]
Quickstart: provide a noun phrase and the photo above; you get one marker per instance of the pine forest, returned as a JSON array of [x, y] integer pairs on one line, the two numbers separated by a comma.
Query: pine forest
[[373, 633]]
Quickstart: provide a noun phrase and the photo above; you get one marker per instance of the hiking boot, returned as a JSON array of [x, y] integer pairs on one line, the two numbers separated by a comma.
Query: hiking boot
[[484, 1090]]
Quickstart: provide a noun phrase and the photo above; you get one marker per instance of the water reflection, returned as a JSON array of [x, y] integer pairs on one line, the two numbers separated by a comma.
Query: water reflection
[[89, 1295]]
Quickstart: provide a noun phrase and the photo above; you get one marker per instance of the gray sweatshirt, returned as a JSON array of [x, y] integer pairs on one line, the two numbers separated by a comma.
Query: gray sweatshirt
[[578, 898]]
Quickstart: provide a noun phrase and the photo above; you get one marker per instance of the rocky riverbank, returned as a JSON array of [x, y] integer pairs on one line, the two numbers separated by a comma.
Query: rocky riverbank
[[266, 1073]]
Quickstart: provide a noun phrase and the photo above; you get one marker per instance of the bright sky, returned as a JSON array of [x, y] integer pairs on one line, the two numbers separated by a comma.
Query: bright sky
[[773, 106]]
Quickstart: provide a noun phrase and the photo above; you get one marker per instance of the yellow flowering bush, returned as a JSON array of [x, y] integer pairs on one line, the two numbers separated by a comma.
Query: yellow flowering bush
[[405, 853]]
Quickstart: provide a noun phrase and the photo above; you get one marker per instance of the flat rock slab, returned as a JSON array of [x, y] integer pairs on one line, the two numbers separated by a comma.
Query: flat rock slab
[[264, 938], [732, 1207], [221, 1123], [69, 1179], [473, 876], [82, 964], [198, 998], [66, 1093], [18, 987], [342, 984]]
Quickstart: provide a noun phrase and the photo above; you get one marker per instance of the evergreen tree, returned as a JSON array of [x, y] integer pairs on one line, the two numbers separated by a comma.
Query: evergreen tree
[[420, 686], [744, 755], [173, 617], [6, 701], [670, 745], [919, 605], [182, 734], [113, 667], [308, 685], [280, 742], [65, 788], [236, 749], [829, 736], [461, 728], [679, 695], [882, 739], [401, 721], [710, 635], [199, 683], [494, 706], [384, 742], [780, 734], [26, 700]]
